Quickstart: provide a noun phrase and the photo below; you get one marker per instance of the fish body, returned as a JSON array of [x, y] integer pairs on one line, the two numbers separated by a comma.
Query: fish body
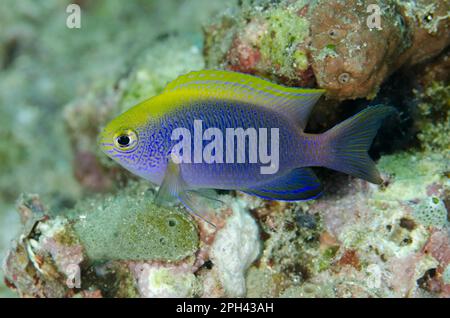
[[222, 115], [142, 139]]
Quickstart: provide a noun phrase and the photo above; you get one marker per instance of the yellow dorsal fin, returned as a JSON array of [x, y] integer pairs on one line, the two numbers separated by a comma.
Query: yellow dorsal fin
[[292, 102]]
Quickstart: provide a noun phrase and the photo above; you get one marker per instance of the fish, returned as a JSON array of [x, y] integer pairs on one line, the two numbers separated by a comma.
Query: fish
[[208, 104]]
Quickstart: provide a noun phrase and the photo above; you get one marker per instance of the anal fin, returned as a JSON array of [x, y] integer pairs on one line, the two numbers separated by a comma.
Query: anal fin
[[299, 184]]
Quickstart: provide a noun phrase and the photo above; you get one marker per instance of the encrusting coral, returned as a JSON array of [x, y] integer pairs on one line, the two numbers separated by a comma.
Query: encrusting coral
[[330, 44]]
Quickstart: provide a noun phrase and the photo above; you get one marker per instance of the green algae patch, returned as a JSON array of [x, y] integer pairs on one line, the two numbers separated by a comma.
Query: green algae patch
[[285, 30], [412, 173], [327, 51], [131, 227], [433, 121]]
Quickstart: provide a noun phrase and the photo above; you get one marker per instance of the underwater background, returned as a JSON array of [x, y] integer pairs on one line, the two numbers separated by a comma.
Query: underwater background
[[75, 224]]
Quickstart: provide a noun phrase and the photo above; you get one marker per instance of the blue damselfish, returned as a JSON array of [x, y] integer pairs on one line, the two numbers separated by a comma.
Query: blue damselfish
[[141, 138]]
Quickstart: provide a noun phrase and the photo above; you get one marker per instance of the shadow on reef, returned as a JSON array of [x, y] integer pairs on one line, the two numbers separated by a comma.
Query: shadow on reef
[[397, 132]]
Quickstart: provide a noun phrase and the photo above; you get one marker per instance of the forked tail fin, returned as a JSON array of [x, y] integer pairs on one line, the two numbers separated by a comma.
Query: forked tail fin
[[350, 140]]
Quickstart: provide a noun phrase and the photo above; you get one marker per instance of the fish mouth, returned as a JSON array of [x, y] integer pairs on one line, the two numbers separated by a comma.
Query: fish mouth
[[105, 143]]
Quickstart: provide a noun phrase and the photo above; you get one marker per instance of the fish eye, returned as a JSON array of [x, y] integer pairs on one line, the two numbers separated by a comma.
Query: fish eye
[[125, 140]]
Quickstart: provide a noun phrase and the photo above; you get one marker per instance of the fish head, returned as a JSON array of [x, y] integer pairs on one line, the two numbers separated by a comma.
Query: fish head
[[125, 140]]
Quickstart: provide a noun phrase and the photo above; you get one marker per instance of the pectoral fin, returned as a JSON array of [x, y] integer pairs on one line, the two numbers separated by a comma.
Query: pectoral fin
[[174, 187], [299, 184], [171, 186]]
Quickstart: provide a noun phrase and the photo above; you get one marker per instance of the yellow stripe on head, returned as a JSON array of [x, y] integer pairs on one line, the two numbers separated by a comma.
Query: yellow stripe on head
[[223, 85]]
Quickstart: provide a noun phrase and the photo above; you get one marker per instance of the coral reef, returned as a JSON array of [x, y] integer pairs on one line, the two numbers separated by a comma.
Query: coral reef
[[359, 240], [124, 246], [46, 66], [428, 22], [366, 241], [331, 44], [93, 230], [433, 123], [349, 58]]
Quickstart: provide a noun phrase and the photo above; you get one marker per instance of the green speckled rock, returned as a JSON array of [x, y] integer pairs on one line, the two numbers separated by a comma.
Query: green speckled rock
[[431, 212], [285, 31], [130, 227]]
